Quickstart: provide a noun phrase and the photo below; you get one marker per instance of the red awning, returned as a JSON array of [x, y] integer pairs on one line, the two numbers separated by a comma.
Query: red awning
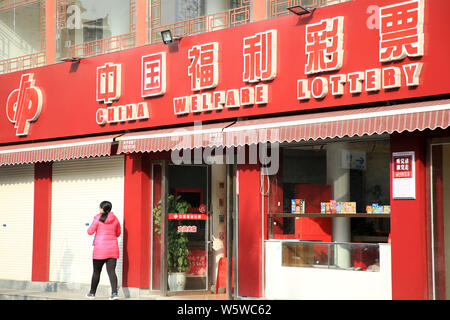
[[195, 136], [337, 124], [332, 124], [56, 150]]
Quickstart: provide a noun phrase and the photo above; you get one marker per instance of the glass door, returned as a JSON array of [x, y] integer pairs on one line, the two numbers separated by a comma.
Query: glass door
[[188, 225], [440, 174]]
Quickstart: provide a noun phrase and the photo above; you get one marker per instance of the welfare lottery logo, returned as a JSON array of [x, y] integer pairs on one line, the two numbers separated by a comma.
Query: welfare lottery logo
[[24, 104]]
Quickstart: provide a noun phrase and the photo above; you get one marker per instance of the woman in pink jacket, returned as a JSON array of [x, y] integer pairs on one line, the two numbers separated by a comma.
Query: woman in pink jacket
[[106, 227]]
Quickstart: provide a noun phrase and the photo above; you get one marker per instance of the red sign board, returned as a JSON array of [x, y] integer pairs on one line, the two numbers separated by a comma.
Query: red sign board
[[402, 166], [197, 259], [357, 52], [187, 216]]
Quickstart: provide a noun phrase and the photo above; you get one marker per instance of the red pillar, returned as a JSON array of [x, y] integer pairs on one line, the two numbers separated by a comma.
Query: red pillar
[[259, 10], [42, 221], [141, 23], [136, 246], [50, 26], [409, 227], [250, 231]]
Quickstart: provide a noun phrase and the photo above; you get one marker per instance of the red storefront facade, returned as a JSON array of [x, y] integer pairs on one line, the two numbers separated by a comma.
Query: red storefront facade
[[351, 70]]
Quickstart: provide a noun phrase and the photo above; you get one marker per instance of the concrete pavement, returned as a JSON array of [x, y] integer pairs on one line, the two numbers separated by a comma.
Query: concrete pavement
[[27, 290]]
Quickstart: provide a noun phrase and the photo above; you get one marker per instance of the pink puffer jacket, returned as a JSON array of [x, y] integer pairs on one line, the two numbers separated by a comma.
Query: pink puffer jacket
[[105, 243]]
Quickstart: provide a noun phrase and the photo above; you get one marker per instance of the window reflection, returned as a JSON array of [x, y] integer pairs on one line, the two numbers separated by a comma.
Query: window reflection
[[86, 21], [21, 32]]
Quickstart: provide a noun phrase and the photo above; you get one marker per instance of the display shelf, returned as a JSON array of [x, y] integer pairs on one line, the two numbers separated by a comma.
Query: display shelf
[[330, 215]]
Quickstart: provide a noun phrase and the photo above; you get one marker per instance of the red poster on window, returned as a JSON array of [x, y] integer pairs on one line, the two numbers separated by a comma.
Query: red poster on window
[[197, 259]]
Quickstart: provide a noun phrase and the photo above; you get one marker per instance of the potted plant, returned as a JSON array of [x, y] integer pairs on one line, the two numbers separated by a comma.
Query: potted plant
[[177, 251]]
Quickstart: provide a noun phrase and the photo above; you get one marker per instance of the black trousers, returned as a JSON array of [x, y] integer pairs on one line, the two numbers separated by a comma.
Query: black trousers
[[110, 268]]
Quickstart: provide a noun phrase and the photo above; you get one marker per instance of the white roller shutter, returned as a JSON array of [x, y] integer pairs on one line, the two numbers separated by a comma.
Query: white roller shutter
[[16, 222], [78, 187]]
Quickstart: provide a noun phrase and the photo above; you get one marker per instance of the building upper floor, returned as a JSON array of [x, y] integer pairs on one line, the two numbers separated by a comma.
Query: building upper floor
[[35, 33]]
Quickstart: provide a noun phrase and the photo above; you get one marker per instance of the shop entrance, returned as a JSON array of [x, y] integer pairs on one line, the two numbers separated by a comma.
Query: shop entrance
[[188, 224], [441, 220], [195, 226]]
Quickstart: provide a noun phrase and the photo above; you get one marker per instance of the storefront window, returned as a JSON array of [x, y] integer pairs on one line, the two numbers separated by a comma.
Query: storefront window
[[88, 27], [364, 256], [21, 29], [346, 181]]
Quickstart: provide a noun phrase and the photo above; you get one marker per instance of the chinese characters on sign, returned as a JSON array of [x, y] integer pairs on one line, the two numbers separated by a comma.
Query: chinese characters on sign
[[324, 45], [401, 31], [402, 166], [260, 61], [153, 75], [187, 216], [260, 57], [192, 229], [204, 66], [109, 84], [197, 260], [403, 175], [401, 36]]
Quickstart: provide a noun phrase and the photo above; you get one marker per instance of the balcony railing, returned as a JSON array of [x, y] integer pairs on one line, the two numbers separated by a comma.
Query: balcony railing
[[23, 62], [106, 45], [279, 7], [211, 22]]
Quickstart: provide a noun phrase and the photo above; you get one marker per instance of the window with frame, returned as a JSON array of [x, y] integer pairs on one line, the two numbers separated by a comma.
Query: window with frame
[[323, 180], [21, 29], [84, 26]]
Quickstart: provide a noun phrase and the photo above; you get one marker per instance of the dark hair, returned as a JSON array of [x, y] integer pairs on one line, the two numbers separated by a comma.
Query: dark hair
[[106, 206]]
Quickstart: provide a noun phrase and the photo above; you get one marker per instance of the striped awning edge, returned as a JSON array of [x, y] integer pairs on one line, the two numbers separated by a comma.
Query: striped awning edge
[[314, 126], [56, 150], [338, 124]]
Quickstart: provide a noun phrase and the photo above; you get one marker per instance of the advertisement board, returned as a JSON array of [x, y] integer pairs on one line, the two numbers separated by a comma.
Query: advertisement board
[[354, 53]]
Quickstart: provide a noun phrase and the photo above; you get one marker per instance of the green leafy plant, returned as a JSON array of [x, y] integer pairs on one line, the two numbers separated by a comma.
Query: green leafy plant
[[177, 251]]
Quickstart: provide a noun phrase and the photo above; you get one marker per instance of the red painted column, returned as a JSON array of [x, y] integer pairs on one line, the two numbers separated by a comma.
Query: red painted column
[[136, 241], [250, 231], [42, 221], [50, 26], [409, 227], [141, 22], [259, 10]]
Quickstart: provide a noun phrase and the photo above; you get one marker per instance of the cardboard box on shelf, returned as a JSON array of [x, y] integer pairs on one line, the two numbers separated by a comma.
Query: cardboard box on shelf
[[327, 207], [298, 206], [333, 206]]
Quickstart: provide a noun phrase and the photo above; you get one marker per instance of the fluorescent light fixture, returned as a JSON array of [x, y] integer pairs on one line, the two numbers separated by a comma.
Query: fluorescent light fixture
[[166, 36], [70, 59], [299, 10]]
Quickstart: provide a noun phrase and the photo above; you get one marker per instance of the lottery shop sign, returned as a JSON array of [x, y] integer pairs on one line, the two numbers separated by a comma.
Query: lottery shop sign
[[401, 38], [352, 53]]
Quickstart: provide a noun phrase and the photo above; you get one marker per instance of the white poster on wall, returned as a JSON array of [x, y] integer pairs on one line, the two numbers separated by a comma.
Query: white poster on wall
[[403, 175]]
